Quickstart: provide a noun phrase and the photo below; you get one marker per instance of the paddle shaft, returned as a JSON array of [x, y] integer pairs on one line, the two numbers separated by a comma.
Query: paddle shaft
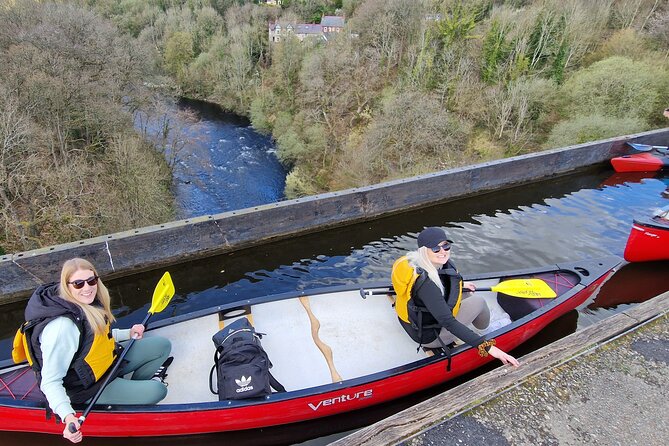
[[109, 377], [501, 288]]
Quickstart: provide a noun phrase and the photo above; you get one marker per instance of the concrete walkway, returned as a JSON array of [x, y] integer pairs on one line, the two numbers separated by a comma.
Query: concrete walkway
[[607, 384]]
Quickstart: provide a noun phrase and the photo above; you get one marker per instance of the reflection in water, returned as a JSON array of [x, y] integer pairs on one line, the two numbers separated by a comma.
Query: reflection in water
[[564, 219], [633, 283]]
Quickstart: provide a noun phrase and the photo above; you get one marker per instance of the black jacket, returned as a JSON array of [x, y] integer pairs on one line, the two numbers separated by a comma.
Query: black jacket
[[436, 309]]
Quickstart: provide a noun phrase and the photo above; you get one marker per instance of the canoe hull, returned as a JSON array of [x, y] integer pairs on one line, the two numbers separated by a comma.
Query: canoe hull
[[640, 162], [321, 401], [647, 241]]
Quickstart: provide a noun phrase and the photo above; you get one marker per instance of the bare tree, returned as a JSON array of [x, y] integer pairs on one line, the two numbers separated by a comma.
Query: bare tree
[[69, 84], [14, 156], [658, 28]]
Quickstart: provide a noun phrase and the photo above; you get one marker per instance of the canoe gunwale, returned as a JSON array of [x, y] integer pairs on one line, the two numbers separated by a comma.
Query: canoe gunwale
[[376, 285], [653, 223]]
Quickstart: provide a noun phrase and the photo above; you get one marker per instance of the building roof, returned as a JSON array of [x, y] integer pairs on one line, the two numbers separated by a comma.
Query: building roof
[[308, 29], [333, 20]]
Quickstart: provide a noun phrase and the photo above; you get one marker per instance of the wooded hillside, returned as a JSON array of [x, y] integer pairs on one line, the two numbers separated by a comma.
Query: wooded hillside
[[414, 86]]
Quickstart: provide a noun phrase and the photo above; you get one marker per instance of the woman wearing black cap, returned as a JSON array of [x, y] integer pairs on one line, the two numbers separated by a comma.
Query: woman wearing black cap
[[430, 301]]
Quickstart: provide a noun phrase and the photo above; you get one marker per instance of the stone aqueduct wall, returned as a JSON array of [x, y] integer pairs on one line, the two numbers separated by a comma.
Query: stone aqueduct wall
[[126, 253]]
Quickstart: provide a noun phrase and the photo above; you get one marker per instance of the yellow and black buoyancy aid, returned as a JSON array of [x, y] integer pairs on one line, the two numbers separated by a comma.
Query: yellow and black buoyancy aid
[[407, 280], [94, 357]]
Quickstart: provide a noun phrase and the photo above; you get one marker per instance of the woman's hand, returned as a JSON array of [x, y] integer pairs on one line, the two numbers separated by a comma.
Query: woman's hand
[[469, 286], [76, 436], [503, 356], [136, 331]]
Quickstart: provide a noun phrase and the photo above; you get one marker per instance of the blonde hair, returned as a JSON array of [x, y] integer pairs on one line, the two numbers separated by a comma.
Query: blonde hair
[[97, 317], [419, 259]]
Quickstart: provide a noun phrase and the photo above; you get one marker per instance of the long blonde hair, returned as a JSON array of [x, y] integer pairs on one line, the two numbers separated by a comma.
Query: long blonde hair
[[97, 317], [419, 259]]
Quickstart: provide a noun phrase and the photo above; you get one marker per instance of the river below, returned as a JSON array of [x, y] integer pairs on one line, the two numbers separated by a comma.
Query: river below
[[221, 163]]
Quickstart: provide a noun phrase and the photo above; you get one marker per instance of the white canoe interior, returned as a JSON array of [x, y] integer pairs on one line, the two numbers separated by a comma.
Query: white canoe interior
[[311, 341]]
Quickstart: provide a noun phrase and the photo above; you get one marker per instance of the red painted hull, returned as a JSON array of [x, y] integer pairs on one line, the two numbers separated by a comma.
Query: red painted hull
[[648, 241], [640, 162], [312, 403]]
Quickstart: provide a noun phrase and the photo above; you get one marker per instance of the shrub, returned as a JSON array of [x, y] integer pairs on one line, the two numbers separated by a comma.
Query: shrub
[[625, 43], [481, 148], [616, 87], [299, 184], [580, 129], [178, 52], [413, 135]]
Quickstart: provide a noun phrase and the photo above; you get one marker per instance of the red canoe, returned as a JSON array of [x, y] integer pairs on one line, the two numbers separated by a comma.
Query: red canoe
[[652, 159], [333, 349], [649, 239]]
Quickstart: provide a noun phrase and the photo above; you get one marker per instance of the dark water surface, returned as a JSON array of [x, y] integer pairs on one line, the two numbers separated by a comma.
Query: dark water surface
[[585, 215]]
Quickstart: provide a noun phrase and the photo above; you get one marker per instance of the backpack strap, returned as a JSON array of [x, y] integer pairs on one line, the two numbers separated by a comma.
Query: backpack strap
[[214, 368], [276, 385]]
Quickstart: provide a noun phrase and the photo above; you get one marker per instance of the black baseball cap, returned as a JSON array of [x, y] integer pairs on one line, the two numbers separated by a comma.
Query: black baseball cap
[[432, 236]]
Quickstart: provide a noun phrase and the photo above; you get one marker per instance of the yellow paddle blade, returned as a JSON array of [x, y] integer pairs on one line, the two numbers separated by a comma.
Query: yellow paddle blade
[[527, 288], [162, 294]]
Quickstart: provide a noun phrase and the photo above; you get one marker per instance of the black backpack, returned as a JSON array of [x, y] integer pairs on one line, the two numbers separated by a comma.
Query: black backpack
[[241, 364]]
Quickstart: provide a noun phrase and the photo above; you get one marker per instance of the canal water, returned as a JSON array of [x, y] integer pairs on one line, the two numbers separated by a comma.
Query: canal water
[[585, 215]]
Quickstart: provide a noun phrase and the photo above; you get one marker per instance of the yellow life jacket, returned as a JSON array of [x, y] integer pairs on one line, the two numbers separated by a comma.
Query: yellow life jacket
[[404, 278], [94, 357], [20, 350], [102, 353]]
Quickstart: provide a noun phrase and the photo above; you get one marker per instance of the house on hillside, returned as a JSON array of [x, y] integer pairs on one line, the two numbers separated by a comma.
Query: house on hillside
[[332, 24], [329, 25]]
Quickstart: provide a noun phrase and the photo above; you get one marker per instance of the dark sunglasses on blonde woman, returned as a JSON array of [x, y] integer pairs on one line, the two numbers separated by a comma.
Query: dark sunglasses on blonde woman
[[79, 284], [445, 247]]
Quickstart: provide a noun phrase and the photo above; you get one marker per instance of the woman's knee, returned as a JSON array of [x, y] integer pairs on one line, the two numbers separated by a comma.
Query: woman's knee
[[125, 391], [159, 345], [163, 344], [156, 391], [474, 309]]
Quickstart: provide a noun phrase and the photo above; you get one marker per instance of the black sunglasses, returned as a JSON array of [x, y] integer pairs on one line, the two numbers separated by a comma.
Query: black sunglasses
[[79, 284], [445, 247]]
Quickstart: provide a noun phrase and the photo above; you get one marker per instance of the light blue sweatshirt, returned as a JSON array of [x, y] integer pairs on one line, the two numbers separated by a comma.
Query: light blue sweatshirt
[[59, 342]]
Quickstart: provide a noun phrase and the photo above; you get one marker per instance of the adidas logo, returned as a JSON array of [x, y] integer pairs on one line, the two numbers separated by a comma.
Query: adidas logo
[[244, 384], [243, 381]]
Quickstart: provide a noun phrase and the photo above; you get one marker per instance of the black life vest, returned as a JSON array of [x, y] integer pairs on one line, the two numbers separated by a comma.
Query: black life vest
[[407, 280], [93, 358]]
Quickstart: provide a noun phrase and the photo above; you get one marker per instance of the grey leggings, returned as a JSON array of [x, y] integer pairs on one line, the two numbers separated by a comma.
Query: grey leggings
[[473, 310], [144, 358]]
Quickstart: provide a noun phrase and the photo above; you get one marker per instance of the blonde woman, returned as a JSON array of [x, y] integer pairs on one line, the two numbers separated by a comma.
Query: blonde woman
[[73, 347], [434, 305]]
